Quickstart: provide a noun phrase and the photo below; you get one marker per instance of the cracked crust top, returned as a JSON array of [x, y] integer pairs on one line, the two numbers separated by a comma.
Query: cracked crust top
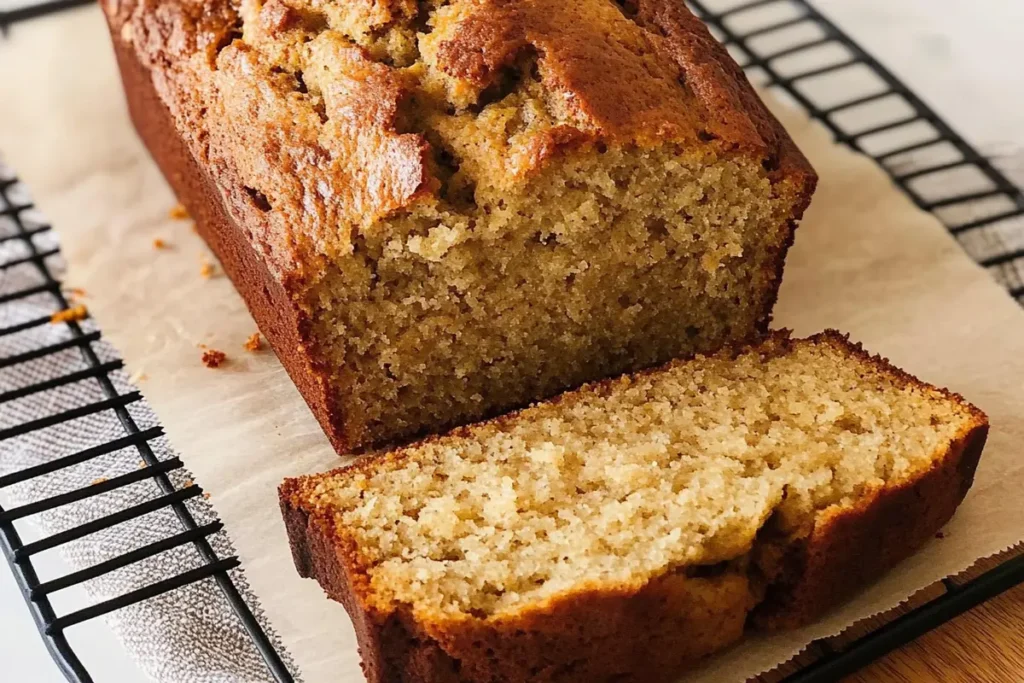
[[315, 117]]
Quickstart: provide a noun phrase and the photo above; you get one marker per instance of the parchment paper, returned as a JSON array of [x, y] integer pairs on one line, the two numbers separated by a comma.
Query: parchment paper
[[866, 261]]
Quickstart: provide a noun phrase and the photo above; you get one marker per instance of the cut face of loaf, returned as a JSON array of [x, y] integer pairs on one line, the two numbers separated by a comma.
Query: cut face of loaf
[[624, 530], [437, 211]]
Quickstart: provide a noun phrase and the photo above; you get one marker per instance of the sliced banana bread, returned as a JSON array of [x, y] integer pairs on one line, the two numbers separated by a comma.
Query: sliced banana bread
[[438, 210], [622, 531]]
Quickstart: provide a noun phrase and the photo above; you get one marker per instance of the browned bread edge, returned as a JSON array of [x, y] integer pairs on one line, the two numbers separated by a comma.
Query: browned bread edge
[[727, 97], [846, 549], [282, 323], [851, 547]]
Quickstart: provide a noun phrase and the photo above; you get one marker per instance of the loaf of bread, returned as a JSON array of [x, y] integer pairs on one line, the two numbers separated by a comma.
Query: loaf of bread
[[625, 530], [440, 209]]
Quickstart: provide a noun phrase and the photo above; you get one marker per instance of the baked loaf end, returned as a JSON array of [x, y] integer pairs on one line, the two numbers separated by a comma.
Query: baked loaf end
[[438, 210], [623, 531]]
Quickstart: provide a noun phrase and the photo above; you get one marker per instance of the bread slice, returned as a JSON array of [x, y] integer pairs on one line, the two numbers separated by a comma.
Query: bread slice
[[622, 531], [437, 211]]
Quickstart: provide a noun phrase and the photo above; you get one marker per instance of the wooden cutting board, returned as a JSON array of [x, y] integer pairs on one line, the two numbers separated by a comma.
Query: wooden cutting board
[[984, 645]]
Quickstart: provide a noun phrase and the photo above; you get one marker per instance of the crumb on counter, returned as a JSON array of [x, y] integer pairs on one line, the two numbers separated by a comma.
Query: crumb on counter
[[254, 342], [212, 358], [142, 464], [73, 314], [97, 480], [178, 212], [206, 495]]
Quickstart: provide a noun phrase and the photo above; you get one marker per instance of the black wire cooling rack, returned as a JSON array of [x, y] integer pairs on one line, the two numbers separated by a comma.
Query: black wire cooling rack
[[30, 10], [786, 46]]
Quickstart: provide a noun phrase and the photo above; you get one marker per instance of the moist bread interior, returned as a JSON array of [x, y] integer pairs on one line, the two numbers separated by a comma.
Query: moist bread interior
[[609, 487], [475, 204]]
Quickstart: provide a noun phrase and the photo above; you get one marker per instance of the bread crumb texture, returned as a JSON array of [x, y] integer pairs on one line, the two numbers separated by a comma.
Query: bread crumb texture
[[254, 342], [620, 483], [212, 358], [178, 212], [74, 314], [477, 204]]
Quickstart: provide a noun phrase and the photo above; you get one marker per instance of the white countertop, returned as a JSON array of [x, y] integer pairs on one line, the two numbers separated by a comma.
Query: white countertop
[[963, 58]]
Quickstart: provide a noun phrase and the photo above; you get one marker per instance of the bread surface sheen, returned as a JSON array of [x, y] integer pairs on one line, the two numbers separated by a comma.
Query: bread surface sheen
[[627, 529], [439, 210]]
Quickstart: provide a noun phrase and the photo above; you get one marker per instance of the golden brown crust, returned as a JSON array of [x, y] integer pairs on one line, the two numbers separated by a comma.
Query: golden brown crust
[[647, 72], [636, 635], [283, 323], [732, 110], [851, 546], [649, 633], [614, 77], [279, 187], [654, 78]]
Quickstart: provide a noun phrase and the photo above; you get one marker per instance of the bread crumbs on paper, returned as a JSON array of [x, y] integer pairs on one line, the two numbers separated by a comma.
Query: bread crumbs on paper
[[178, 212], [212, 358], [254, 343], [74, 314]]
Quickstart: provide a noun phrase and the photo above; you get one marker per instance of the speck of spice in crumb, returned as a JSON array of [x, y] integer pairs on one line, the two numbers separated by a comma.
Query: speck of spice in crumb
[[207, 270], [178, 212], [212, 358], [160, 244], [254, 342], [70, 315]]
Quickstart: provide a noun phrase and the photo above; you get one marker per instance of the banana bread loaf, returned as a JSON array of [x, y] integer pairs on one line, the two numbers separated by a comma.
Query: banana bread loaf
[[440, 209], [623, 531]]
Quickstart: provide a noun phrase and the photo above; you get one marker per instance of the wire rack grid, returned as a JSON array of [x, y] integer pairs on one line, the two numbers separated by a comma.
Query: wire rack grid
[[786, 46], [19, 554]]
